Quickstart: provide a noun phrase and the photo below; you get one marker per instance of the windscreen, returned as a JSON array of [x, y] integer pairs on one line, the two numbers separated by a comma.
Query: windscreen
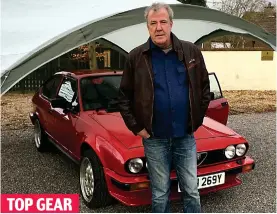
[[100, 92]]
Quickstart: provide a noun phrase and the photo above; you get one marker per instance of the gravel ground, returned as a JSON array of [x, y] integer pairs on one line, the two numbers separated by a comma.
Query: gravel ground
[[24, 170]]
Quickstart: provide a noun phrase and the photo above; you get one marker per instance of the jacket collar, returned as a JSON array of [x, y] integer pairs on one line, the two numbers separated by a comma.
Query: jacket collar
[[176, 45]]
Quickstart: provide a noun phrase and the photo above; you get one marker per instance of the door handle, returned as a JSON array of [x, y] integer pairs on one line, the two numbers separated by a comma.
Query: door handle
[[224, 104]]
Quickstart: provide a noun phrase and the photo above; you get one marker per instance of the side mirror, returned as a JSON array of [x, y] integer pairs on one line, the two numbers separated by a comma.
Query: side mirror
[[59, 103], [212, 95]]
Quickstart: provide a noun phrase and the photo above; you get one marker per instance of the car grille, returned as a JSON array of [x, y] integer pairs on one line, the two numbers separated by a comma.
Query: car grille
[[216, 156], [206, 158], [211, 157]]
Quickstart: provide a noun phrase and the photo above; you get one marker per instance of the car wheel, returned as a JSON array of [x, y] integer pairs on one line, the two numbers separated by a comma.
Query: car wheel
[[40, 137], [93, 185]]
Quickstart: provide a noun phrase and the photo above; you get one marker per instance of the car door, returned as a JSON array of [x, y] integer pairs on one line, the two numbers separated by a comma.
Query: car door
[[48, 92], [65, 134], [218, 108]]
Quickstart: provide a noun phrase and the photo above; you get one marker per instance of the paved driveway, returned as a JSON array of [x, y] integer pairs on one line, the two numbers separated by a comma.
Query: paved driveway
[[24, 170]]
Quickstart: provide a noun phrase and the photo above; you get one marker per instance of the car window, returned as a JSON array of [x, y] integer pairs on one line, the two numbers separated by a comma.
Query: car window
[[49, 89], [68, 90], [214, 86], [99, 92]]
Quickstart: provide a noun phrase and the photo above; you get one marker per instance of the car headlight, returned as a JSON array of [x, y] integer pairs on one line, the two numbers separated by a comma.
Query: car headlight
[[135, 165], [230, 152], [240, 149]]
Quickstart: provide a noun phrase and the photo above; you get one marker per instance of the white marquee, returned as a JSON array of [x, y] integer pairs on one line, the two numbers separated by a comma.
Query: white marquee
[[35, 32]]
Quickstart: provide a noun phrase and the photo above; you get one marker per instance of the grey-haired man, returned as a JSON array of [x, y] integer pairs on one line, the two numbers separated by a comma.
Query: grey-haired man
[[164, 95]]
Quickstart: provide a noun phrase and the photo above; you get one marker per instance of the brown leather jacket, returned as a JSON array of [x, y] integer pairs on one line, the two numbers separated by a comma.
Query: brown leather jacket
[[137, 92]]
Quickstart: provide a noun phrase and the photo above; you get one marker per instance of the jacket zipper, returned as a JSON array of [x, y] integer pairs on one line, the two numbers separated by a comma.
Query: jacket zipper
[[190, 92], [190, 107], [186, 63], [149, 71]]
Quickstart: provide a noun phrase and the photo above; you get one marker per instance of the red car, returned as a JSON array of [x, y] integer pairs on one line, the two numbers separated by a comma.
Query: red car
[[77, 112]]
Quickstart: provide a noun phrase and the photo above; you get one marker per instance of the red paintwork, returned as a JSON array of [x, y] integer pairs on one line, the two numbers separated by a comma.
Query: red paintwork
[[114, 144], [218, 110], [143, 197]]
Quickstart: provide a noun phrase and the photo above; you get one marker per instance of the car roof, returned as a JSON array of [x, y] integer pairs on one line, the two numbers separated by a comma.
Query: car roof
[[78, 74]]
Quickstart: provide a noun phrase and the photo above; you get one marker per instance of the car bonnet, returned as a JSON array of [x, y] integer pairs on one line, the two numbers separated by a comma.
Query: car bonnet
[[114, 124]]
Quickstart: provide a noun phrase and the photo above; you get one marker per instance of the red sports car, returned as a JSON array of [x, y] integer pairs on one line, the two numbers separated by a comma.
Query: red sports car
[[77, 112]]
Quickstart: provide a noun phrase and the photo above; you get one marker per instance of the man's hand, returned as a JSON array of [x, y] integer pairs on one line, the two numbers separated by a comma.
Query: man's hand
[[144, 134]]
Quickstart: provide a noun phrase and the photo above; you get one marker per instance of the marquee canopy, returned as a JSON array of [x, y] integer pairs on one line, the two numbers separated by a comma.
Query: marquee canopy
[[35, 32]]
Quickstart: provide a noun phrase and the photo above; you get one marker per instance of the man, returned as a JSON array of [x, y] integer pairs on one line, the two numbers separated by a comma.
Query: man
[[164, 94]]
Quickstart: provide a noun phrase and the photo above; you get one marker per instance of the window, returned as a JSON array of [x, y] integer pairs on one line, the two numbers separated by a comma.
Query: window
[[68, 89], [99, 92], [107, 59], [49, 89], [214, 86]]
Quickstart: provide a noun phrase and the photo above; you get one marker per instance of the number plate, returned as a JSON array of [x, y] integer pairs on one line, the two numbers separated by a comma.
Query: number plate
[[209, 180]]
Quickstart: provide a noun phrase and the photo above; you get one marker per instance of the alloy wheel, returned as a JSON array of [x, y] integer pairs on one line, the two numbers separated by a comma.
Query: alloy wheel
[[86, 179], [37, 134]]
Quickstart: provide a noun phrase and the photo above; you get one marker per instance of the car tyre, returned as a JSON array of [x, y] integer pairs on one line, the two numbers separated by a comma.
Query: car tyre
[[41, 141], [93, 187]]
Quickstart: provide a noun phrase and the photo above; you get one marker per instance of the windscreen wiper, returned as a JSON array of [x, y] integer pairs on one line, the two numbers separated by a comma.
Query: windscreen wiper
[[99, 107]]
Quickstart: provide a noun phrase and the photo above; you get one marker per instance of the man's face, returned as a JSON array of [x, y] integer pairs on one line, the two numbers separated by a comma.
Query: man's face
[[159, 27]]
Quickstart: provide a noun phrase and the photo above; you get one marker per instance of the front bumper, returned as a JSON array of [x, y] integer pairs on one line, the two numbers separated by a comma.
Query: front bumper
[[122, 187]]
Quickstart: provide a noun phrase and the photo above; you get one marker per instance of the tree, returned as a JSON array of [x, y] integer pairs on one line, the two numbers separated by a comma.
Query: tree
[[240, 7], [194, 2], [88, 53], [250, 10]]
